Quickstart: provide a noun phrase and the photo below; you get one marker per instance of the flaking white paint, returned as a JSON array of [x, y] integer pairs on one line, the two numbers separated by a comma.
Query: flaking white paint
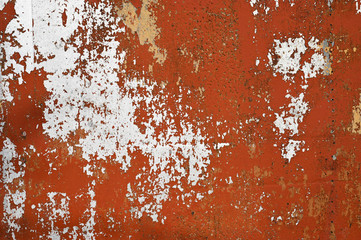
[[90, 98], [14, 198], [285, 59]]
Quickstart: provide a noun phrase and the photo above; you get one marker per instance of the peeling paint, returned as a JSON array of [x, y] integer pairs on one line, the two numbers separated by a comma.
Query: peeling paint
[[144, 25], [156, 119]]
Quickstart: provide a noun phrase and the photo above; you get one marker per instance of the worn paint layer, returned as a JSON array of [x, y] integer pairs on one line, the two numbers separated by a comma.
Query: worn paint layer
[[154, 119]]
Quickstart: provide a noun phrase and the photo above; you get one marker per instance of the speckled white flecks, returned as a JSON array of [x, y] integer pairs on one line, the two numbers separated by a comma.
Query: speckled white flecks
[[265, 7], [52, 212], [285, 59], [167, 169], [256, 4], [88, 227], [14, 199], [59, 210], [289, 218]]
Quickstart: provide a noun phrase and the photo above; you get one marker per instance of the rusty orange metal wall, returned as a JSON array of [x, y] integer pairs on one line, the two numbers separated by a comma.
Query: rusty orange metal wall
[[188, 119]]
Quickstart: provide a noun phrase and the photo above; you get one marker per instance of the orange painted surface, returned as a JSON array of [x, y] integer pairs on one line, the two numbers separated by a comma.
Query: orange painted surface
[[162, 119]]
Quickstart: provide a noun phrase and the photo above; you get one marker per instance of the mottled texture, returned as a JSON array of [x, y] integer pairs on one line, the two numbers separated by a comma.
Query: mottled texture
[[187, 119]]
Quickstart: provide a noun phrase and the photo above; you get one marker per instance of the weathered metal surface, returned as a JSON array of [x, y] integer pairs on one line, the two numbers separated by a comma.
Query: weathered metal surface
[[163, 119]]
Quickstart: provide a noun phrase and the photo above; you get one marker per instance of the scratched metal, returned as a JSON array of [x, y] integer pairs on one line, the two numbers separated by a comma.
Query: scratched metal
[[188, 119]]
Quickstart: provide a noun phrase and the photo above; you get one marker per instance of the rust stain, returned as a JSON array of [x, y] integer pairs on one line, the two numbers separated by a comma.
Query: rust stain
[[356, 118], [144, 24]]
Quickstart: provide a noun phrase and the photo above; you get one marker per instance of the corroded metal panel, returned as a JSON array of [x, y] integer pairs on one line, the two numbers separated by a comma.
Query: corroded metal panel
[[163, 119]]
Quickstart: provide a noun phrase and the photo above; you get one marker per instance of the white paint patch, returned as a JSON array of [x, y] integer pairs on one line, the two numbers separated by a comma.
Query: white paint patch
[[88, 227], [18, 41], [289, 120], [261, 6], [89, 92], [318, 63], [14, 199], [3, 3], [289, 56], [167, 169], [285, 59], [290, 150], [358, 6]]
